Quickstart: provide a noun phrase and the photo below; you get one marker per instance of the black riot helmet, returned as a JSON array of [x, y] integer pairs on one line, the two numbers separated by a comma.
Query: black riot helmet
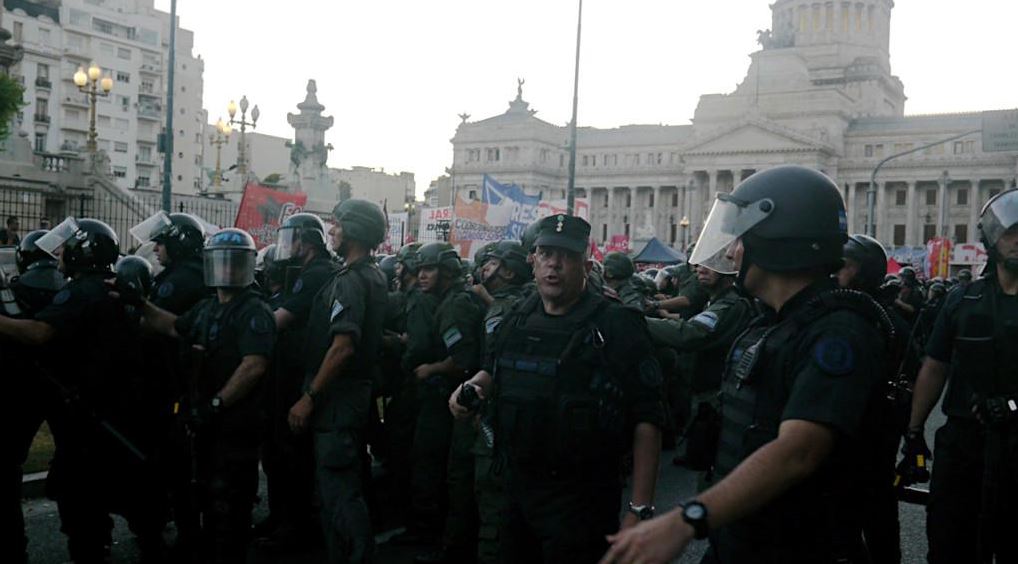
[[229, 258], [441, 255], [28, 253], [89, 245], [134, 274], [512, 256], [182, 234], [908, 276], [999, 216], [307, 228], [362, 221], [790, 218], [872, 260], [528, 237], [388, 267], [964, 276]]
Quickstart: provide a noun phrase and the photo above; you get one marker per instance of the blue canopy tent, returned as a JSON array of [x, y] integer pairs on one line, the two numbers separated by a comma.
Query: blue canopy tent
[[656, 252]]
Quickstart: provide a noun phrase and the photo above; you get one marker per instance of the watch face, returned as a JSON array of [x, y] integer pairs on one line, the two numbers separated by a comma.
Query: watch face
[[646, 513], [217, 402], [695, 512]]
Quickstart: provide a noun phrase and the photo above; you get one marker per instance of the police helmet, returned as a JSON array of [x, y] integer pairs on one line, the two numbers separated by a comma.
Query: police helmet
[[388, 268], [134, 274], [790, 218], [362, 221], [89, 245], [441, 255], [182, 234], [618, 266], [512, 256], [305, 227], [28, 253], [908, 276], [937, 290], [229, 258], [529, 236], [409, 257], [964, 276], [483, 254], [872, 260]]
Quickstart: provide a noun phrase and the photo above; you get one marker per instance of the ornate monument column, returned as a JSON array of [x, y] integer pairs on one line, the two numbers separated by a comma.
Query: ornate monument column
[[308, 151]]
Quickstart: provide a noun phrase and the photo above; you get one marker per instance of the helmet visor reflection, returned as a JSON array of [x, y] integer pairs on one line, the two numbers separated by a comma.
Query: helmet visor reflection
[[286, 241], [1000, 216], [729, 219], [154, 226], [50, 242], [229, 268]]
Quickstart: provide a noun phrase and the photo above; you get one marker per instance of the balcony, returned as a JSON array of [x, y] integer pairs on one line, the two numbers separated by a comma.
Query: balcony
[[150, 112], [76, 100], [42, 82], [144, 159], [42, 118], [152, 68]]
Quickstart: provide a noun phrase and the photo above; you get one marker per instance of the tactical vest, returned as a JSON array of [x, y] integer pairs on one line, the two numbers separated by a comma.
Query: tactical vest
[[985, 350], [35, 288], [558, 406], [752, 406], [217, 334]]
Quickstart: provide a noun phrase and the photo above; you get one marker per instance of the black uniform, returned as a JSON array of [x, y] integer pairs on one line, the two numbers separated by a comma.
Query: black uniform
[[93, 473], [819, 361], [569, 391], [288, 458], [33, 290], [975, 473], [224, 446]]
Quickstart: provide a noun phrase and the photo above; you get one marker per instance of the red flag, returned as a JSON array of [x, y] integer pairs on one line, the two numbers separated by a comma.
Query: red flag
[[263, 209], [595, 253]]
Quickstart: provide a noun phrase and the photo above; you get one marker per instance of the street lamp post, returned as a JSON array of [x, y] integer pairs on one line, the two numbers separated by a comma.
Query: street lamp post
[[231, 108], [91, 82], [220, 137]]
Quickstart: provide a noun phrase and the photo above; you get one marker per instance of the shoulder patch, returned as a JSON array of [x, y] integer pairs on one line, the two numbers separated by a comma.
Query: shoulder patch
[[165, 289], [451, 337], [834, 355], [259, 324], [337, 308], [491, 325], [707, 319], [62, 297], [298, 285]]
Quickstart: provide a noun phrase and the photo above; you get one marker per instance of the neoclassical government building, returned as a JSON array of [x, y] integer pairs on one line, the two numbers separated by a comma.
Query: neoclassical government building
[[819, 92]]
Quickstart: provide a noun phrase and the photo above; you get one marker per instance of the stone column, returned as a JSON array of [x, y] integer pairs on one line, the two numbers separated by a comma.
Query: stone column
[[712, 179], [975, 197], [942, 205], [611, 211], [911, 221], [655, 212], [851, 208], [881, 223]]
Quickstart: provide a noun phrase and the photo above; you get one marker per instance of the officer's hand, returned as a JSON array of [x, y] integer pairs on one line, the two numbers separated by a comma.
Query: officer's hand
[[658, 540], [404, 338], [300, 413], [995, 410], [422, 372], [201, 417], [913, 468], [457, 409]]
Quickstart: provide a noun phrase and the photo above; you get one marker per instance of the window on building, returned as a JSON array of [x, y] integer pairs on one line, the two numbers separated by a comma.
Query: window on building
[[964, 147], [675, 199], [144, 153], [963, 197], [123, 77], [71, 114], [585, 161], [124, 53], [561, 160], [672, 234], [929, 232], [42, 71], [935, 150], [121, 124], [900, 197], [472, 195], [44, 36], [606, 199], [993, 192], [961, 234], [650, 200], [40, 142], [868, 151], [604, 232], [902, 147], [931, 197], [626, 232], [899, 235], [878, 150], [120, 171], [104, 120], [143, 181], [19, 31], [119, 147], [42, 107], [124, 101], [629, 201]]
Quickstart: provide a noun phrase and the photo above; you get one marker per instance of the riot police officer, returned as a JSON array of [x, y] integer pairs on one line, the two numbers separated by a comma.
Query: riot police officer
[[442, 459], [575, 385], [95, 428], [302, 255], [505, 275], [33, 289], [970, 515], [179, 239], [229, 339], [619, 273], [343, 346], [797, 386]]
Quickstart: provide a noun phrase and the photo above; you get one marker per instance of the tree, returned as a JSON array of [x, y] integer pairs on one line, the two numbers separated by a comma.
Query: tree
[[11, 101], [345, 191]]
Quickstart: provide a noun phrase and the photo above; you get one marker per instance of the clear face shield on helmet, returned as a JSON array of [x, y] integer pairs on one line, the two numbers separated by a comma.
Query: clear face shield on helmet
[[229, 268], [286, 242], [50, 242], [1000, 216], [729, 219], [154, 226]]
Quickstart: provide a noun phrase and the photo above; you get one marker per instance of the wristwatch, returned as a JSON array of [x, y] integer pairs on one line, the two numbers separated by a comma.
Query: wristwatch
[[644, 512], [694, 514], [217, 404]]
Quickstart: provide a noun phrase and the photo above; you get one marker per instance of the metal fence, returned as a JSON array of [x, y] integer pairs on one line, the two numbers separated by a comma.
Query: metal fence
[[41, 209]]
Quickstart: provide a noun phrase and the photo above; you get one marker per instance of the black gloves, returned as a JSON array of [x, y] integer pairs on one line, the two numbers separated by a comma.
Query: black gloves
[[995, 410], [913, 468]]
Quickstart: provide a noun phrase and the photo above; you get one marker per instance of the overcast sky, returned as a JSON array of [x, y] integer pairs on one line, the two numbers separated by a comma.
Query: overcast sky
[[395, 73]]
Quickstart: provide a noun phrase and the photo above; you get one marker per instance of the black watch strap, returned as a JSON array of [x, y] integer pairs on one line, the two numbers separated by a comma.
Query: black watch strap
[[694, 514]]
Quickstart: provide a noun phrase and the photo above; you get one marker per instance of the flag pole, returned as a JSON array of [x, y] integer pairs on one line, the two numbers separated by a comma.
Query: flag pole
[[571, 187]]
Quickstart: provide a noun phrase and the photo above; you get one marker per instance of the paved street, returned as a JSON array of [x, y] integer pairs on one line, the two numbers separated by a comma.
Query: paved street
[[48, 547]]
